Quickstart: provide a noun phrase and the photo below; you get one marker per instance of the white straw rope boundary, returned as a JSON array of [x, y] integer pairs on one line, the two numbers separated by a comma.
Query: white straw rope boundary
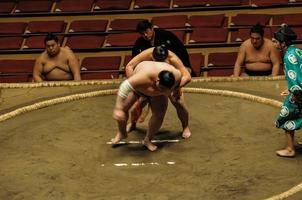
[[118, 81], [240, 95], [55, 101]]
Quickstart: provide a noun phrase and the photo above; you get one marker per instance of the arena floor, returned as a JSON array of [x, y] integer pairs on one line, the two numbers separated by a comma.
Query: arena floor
[[61, 151]]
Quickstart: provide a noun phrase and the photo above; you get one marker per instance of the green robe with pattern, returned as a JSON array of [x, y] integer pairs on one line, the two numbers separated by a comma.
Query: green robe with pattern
[[290, 117]]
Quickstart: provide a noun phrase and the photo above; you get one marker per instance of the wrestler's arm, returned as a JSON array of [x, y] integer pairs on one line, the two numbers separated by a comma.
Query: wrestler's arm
[[275, 59], [239, 61], [177, 63], [74, 65], [143, 56], [37, 71]]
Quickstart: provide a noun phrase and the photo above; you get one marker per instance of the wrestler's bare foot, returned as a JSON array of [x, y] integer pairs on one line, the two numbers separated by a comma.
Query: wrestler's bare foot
[[131, 126], [186, 133], [149, 145], [118, 138], [286, 153]]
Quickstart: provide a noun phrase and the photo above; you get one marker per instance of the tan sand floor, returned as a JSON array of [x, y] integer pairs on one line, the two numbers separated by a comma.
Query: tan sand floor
[[60, 153]]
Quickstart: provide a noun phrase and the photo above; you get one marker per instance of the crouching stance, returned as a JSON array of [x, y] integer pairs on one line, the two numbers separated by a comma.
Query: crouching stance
[[155, 81]]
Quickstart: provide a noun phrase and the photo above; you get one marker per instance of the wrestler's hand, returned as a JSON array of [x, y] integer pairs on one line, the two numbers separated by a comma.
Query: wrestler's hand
[[119, 115], [284, 93]]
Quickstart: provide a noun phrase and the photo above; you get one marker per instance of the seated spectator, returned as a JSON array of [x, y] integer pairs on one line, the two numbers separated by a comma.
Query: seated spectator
[[56, 62], [258, 54], [151, 37]]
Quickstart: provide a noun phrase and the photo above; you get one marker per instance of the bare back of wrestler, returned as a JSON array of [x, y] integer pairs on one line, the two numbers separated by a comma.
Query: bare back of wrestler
[[145, 81], [149, 70]]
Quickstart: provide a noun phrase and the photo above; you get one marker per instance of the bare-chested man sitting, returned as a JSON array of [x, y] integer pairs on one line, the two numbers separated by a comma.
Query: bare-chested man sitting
[[258, 54], [56, 63], [154, 80]]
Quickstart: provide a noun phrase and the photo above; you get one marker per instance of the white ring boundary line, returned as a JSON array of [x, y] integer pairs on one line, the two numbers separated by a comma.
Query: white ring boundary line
[[140, 142], [246, 96], [138, 164]]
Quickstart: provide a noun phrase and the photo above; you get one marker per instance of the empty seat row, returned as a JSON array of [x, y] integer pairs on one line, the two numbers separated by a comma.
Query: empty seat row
[[30, 6], [95, 42], [167, 22]]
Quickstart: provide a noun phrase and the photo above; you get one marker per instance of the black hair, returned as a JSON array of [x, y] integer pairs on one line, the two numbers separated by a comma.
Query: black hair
[[166, 79], [285, 34], [49, 37], [142, 26], [258, 28], [160, 53]]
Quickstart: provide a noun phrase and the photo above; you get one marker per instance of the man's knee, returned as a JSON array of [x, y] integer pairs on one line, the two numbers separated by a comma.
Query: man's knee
[[120, 116]]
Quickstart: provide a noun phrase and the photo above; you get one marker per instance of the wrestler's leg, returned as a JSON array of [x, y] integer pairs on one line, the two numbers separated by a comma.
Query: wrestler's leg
[[158, 106], [182, 113], [136, 113], [122, 123], [289, 151]]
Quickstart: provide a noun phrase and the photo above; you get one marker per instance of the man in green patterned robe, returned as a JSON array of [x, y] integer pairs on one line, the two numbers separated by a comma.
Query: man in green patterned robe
[[290, 117]]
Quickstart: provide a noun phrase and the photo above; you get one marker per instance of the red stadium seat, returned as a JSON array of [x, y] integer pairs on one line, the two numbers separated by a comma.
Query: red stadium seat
[[101, 63], [223, 2], [209, 35], [127, 60], [99, 75], [180, 35], [221, 64], [124, 24], [298, 31], [188, 3], [88, 26], [223, 59], [268, 2], [12, 27], [85, 42], [218, 20], [219, 71], [289, 19], [147, 4], [72, 6], [197, 62], [16, 66], [121, 40], [46, 27], [250, 19], [20, 78], [9, 43], [171, 21], [13, 71], [30, 6], [6, 6], [112, 5], [37, 42], [198, 3]]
